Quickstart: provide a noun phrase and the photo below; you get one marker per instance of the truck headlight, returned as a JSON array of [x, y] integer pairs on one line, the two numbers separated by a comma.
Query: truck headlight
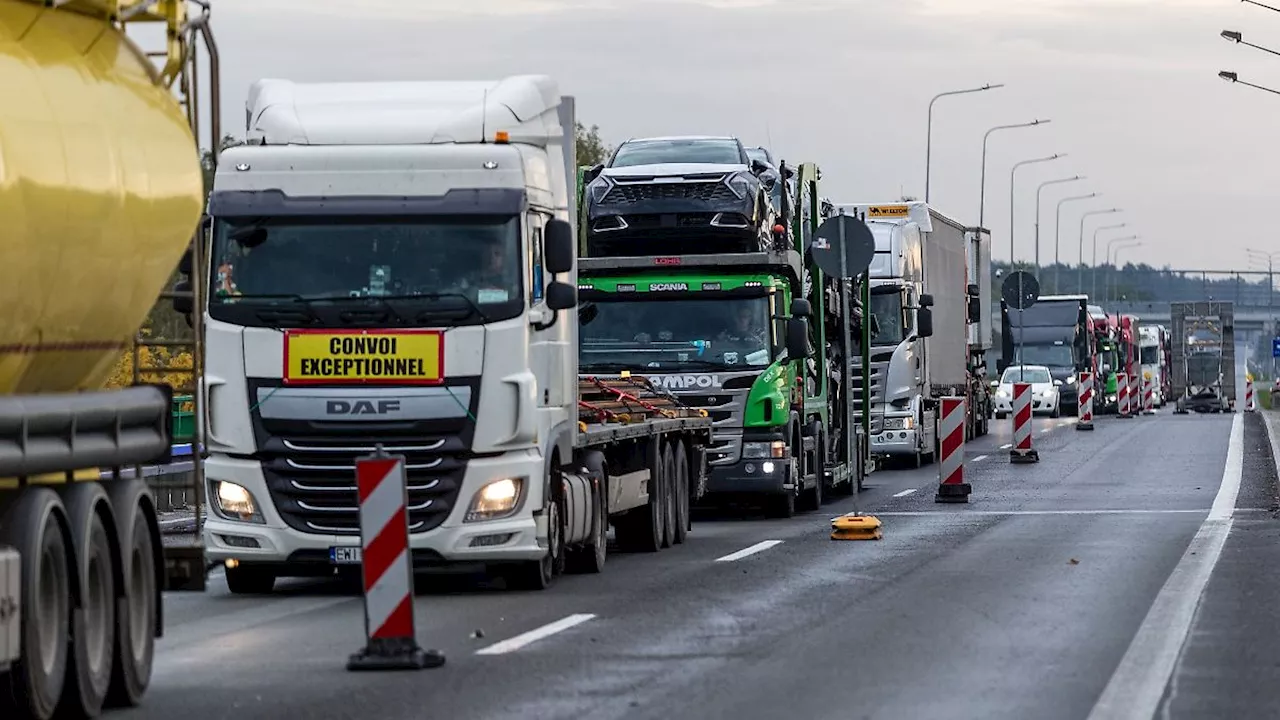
[[234, 502], [1071, 379], [759, 450], [899, 423], [496, 500]]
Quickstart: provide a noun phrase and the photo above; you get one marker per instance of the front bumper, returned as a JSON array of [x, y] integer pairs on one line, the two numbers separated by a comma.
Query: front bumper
[[293, 552], [749, 477], [1069, 395], [722, 215], [1039, 404], [896, 442]]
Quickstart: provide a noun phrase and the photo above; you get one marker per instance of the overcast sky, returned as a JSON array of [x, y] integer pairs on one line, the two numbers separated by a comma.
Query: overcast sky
[[1131, 88]]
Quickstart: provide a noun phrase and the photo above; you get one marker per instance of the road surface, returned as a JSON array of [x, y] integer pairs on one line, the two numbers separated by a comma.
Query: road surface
[[1052, 594]]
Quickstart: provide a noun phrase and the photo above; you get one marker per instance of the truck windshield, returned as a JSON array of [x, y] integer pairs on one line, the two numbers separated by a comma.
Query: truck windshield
[[472, 260], [676, 150], [1150, 355], [887, 308], [1054, 356], [676, 334]]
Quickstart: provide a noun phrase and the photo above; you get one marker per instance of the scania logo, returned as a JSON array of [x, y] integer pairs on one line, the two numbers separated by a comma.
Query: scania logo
[[361, 407], [685, 382]]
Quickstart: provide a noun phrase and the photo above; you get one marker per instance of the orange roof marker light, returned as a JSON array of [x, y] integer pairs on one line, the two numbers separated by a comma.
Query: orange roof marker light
[[502, 137]]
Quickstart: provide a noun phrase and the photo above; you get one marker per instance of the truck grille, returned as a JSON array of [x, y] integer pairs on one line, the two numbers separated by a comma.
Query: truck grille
[[632, 193], [313, 486], [726, 410], [879, 369]]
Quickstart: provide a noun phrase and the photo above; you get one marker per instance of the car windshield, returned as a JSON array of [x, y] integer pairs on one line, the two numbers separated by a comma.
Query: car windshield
[[676, 334], [1054, 356], [657, 152], [1025, 374], [335, 257], [1150, 355], [887, 308]]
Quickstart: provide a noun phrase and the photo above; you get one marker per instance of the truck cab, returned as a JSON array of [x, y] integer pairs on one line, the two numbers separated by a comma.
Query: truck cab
[[384, 272], [1151, 351], [1056, 332]]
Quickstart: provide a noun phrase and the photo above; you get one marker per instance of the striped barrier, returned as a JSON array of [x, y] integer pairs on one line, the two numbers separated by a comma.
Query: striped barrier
[[1148, 397], [387, 569], [1086, 402], [1122, 395], [1248, 395], [1022, 451], [951, 485], [1135, 390]]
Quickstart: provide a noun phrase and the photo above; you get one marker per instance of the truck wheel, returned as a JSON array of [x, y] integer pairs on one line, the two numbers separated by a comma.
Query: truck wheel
[[34, 683], [250, 580], [670, 496], [684, 520], [590, 558], [781, 506], [641, 530], [93, 622], [540, 574], [812, 499], [138, 592]]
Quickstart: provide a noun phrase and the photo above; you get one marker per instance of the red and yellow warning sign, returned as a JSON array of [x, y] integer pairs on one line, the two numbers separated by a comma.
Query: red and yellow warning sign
[[346, 357]]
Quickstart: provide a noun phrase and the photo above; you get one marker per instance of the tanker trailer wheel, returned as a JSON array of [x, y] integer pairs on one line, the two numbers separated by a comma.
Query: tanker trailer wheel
[[35, 527], [137, 603], [94, 621]]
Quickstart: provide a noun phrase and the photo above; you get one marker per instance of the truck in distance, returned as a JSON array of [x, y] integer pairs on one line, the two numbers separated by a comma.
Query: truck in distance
[[1153, 343], [1056, 332], [1202, 344], [735, 331], [703, 191], [352, 240]]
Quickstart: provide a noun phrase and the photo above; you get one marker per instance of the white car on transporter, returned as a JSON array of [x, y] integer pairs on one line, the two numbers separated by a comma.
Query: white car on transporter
[[1044, 390]]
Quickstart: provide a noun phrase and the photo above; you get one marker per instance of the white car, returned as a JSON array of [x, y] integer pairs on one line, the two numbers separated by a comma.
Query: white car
[[1044, 390]]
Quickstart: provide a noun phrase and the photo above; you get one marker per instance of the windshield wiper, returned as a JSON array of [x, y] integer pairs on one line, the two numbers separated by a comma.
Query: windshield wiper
[[471, 309]]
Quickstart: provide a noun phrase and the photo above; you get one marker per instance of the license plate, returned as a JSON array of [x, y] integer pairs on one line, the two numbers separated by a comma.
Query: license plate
[[345, 555]]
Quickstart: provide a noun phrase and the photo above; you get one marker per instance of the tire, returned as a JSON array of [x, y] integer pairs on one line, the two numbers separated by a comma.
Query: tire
[[684, 515], [34, 526], [670, 501], [138, 601], [813, 499], [849, 488], [781, 506], [250, 580], [590, 558], [1001, 416], [93, 641], [1057, 411], [539, 575]]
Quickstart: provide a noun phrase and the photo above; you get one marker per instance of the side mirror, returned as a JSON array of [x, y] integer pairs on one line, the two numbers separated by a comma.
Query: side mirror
[[801, 308], [975, 309], [1056, 383], [186, 263], [592, 173], [183, 305], [924, 321], [788, 172], [797, 338], [558, 247], [974, 290], [561, 296], [758, 166], [926, 300]]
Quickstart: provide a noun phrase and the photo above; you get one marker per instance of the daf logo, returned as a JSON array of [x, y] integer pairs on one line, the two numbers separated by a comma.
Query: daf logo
[[361, 407]]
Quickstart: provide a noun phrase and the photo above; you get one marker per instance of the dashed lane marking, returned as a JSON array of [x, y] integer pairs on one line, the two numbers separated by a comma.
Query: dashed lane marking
[[1136, 688], [747, 551], [904, 493], [980, 457], [511, 645], [1006, 446]]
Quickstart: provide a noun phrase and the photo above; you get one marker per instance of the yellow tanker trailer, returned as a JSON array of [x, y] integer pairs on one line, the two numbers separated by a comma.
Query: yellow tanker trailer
[[100, 194]]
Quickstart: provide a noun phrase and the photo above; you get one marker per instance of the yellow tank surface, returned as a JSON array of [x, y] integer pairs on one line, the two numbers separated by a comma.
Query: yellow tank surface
[[100, 192]]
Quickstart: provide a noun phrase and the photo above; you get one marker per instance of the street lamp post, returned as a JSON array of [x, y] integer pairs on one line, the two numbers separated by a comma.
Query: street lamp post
[[1235, 37], [1057, 225], [1012, 176], [982, 184], [1231, 76], [1093, 275], [928, 143], [1083, 217], [1112, 263], [1040, 189]]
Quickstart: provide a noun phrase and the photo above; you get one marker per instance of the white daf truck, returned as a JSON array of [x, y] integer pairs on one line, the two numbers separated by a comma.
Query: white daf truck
[[920, 299], [394, 264]]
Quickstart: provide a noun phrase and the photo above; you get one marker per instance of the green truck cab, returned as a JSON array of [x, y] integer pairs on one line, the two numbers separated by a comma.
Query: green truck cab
[[739, 335]]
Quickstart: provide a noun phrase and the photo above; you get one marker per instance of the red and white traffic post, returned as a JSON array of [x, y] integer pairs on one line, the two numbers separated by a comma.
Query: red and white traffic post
[[1122, 395], [1148, 396], [1248, 395], [1022, 451], [951, 485], [387, 569], [1086, 402], [1135, 389]]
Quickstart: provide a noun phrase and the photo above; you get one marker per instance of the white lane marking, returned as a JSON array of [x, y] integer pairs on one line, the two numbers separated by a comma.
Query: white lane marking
[[1136, 688], [1045, 430], [512, 644], [904, 493], [744, 552], [1006, 446], [930, 513], [980, 457]]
